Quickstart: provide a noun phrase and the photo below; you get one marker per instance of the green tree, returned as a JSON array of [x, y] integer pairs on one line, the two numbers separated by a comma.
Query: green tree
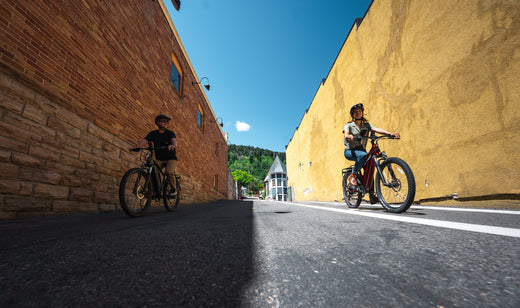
[[254, 161], [240, 164], [242, 178]]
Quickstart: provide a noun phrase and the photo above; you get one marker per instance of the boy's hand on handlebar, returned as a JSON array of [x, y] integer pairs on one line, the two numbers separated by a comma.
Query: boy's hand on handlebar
[[171, 147], [396, 135], [134, 149]]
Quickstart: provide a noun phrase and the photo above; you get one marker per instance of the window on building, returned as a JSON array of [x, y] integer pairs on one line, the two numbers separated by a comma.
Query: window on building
[[215, 181], [176, 74], [200, 117], [216, 147]]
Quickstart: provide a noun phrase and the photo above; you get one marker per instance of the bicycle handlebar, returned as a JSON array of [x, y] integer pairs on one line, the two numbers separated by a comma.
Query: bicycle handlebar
[[359, 138]]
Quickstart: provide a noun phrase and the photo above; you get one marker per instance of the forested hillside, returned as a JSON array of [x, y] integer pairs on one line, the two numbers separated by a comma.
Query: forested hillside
[[249, 165]]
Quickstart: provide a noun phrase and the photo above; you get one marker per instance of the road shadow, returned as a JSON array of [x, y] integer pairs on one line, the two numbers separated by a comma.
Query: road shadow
[[200, 255]]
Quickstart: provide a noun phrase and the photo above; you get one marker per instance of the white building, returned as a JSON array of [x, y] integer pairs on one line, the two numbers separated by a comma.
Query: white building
[[275, 183]]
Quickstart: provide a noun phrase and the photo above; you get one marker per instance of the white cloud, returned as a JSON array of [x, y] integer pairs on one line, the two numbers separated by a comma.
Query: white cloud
[[242, 126]]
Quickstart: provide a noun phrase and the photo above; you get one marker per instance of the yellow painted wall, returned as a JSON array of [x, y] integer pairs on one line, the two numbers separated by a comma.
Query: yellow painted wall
[[446, 75]]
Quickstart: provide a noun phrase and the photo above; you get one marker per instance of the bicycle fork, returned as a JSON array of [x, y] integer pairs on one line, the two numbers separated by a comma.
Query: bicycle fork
[[140, 190], [383, 179], [147, 186]]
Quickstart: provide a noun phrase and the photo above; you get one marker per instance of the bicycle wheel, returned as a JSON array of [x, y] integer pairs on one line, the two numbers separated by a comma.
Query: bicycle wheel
[[171, 198], [352, 198], [134, 197], [397, 196]]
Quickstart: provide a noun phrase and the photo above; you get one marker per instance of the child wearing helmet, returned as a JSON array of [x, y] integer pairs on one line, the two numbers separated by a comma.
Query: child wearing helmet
[[355, 149]]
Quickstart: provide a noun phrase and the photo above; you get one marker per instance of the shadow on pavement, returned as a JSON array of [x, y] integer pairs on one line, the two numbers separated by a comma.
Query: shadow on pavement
[[200, 255]]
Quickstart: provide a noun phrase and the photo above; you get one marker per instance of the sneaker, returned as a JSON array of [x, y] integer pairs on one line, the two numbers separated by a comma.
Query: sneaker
[[373, 199], [352, 180]]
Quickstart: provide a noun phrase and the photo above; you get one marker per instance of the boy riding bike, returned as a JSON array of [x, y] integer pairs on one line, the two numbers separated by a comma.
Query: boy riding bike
[[163, 137]]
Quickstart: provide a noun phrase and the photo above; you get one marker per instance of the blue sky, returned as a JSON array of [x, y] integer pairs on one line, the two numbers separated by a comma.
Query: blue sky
[[264, 59]]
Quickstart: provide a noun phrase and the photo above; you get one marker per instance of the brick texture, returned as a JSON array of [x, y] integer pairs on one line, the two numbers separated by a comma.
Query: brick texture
[[80, 84]]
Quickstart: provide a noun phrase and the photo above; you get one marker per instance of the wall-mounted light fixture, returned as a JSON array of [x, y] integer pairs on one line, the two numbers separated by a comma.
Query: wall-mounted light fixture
[[200, 82], [219, 121], [357, 22], [176, 4]]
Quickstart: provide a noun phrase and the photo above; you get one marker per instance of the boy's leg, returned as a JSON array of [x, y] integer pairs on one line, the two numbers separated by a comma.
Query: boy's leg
[[171, 166]]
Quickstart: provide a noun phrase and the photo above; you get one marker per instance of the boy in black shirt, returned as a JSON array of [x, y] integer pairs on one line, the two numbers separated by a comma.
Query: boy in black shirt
[[163, 137]]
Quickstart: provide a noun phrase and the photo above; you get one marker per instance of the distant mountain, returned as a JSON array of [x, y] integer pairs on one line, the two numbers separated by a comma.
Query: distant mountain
[[254, 161]]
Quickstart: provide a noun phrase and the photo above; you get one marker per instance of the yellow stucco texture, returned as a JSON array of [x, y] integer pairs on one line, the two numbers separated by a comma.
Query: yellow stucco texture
[[444, 74]]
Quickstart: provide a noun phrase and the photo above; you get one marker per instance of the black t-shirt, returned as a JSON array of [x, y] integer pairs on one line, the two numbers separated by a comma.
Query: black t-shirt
[[161, 139]]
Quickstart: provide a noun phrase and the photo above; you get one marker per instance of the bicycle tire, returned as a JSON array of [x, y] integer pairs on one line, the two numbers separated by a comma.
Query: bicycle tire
[[134, 198], [171, 202], [352, 198], [399, 196]]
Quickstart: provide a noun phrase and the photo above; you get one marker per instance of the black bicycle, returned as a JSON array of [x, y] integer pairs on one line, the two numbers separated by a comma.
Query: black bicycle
[[394, 182], [140, 186]]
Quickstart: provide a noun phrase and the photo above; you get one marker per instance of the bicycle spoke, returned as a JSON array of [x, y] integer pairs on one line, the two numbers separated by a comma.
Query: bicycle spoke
[[396, 185], [171, 197], [352, 197], [134, 193]]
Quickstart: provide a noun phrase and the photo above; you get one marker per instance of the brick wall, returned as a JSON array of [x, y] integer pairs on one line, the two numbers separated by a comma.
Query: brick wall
[[79, 83]]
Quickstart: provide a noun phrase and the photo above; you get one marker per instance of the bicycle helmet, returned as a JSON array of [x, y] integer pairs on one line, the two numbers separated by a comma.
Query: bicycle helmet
[[356, 106], [161, 117]]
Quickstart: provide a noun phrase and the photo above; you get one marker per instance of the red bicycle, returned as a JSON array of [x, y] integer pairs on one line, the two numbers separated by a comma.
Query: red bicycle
[[394, 179]]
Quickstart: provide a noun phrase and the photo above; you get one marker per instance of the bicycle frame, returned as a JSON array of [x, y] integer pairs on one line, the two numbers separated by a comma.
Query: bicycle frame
[[371, 164], [395, 186], [142, 185], [154, 174], [368, 174]]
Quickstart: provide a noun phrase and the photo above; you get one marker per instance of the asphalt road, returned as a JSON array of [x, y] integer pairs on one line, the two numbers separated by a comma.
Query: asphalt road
[[263, 254], [322, 254]]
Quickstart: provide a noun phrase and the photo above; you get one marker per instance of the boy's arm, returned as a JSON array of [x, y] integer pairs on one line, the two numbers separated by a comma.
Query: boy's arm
[[172, 146], [141, 144]]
